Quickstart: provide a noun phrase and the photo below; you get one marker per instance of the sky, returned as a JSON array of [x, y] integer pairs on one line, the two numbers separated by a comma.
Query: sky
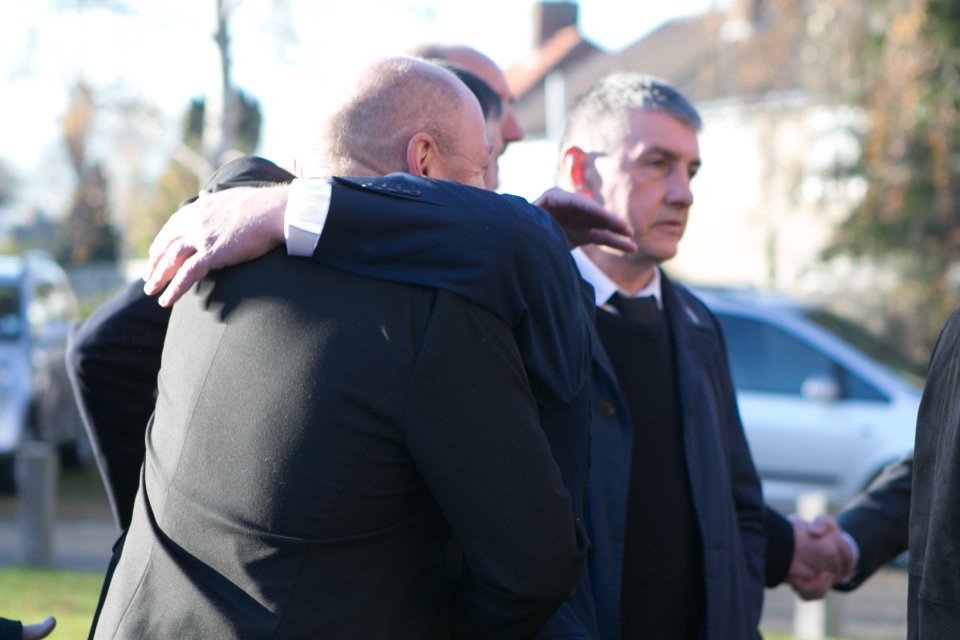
[[287, 53]]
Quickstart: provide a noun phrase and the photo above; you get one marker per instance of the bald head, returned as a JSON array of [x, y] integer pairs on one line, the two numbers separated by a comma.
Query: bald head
[[469, 59], [398, 105]]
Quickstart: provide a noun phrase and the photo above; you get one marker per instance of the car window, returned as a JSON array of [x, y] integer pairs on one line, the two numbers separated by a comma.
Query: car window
[[880, 350], [767, 359]]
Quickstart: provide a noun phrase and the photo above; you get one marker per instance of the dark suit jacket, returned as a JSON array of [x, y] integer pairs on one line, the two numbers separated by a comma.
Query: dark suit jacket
[[933, 609], [780, 546], [319, 439], [723, 482], [878, 520], [113, 357], [488, 256]]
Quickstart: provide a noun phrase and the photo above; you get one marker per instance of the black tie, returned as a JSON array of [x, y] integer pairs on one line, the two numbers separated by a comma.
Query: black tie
[[643, 310]]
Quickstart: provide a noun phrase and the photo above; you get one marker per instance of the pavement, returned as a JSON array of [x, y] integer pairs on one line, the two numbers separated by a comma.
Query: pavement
[[79, 543], [876, 611]]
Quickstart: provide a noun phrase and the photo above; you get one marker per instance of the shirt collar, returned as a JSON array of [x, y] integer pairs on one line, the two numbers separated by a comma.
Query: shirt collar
[[604, 287]]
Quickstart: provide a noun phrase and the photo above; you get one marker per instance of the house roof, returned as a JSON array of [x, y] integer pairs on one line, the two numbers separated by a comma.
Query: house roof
[[707, 57], [565, 47]]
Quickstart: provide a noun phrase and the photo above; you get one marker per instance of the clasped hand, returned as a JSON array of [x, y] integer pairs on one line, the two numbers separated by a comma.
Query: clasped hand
[[821, 557]]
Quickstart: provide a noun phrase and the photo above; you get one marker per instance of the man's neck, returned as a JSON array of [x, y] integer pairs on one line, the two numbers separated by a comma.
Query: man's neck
[[629, 276]]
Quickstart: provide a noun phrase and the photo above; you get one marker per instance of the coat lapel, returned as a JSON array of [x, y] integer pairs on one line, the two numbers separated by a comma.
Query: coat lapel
[[693, 339]]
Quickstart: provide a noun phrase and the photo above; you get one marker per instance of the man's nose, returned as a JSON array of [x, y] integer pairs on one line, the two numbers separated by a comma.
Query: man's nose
[[511, 128], [679, 192]]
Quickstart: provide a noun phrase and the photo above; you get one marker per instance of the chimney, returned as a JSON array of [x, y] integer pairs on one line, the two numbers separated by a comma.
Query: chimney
[[550, 17]]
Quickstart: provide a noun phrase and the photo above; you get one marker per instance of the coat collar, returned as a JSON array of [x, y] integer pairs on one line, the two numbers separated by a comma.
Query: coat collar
[[604, 287], [694, 337]]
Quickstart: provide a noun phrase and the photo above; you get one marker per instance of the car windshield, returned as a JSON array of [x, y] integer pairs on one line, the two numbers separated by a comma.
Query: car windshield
[[10, 323], [880, 350]]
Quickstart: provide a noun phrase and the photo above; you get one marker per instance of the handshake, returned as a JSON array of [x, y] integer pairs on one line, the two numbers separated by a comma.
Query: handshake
[[823, 556]]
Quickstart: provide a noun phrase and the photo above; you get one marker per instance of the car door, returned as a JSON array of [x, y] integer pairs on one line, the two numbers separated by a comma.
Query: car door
[[807, 418]]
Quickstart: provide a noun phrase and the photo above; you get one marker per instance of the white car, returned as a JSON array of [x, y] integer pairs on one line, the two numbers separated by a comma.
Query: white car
[[825, 406], [37, 308]]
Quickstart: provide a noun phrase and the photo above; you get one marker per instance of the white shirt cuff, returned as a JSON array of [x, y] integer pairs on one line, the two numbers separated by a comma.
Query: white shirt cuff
[[308, 202]]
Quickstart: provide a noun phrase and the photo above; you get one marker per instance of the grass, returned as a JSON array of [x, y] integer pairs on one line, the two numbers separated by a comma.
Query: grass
[[31, 595]]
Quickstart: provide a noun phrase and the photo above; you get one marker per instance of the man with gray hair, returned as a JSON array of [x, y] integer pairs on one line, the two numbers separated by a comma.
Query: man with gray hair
[[675, 509], [321, 438]]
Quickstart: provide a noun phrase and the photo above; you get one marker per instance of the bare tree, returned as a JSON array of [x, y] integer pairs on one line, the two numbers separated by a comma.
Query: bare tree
[[91, 235]]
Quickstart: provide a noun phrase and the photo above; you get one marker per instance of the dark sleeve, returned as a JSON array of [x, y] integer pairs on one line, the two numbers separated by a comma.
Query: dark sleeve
[[747, 494], [489, 466], [878, 519], [10, 629], [780, 545], [499, 252], [113, 358], [748, 501]]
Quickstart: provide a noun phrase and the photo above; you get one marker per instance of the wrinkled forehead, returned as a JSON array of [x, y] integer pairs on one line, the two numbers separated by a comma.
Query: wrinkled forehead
[[661, 129]]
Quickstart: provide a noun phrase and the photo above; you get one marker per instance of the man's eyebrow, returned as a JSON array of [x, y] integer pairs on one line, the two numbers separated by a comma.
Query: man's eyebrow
[[671, 155]]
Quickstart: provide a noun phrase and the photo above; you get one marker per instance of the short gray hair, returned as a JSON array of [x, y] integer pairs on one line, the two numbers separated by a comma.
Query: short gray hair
[[600, 117]]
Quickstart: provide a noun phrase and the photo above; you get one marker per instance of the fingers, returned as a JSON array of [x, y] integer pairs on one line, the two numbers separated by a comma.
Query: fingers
[[39, 630], [583, 219], [814, 588], [550, 197], [612, 222], [216, 230], [822, 525], [168, 234], [188, 272], [847, 558], [165, 265], [610, 239]]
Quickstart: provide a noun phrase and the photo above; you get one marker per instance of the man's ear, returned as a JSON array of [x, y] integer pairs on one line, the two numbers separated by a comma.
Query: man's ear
[[422, 155], [577, 168]]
